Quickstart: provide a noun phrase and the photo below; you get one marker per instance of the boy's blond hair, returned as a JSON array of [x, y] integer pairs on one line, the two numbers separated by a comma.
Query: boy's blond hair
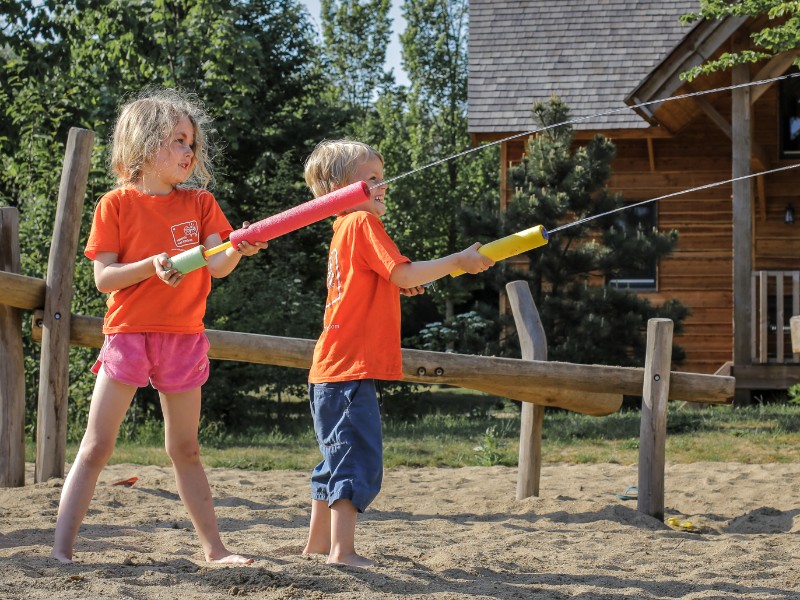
[[146, 122], [333, 162]]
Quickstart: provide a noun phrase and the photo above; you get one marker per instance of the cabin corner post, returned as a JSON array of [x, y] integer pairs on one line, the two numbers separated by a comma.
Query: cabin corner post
[[653, 427], [742, 217], [12, 367], [533, 343], [51, 423]]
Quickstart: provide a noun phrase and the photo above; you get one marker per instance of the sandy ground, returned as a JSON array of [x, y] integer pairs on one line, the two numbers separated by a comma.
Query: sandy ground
[[436, 533]]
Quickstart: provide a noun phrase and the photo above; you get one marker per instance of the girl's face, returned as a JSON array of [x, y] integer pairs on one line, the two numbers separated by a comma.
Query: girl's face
[[371, 171], [174, 162]]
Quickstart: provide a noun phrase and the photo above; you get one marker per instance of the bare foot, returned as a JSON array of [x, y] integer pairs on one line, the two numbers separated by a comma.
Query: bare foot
[[309, 549], [351, 560], [61, 557], [231, 559]]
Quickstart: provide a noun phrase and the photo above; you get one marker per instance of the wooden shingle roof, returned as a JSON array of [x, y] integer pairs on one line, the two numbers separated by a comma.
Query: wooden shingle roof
[[591, 54]]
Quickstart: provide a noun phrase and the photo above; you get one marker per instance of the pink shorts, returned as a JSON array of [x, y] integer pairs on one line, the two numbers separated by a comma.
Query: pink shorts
[[172, 362]]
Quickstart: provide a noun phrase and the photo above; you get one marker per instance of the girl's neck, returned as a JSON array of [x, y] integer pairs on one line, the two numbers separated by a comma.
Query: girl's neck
[[153, 186]]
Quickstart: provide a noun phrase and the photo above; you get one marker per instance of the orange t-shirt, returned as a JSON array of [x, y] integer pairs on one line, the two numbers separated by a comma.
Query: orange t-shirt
[[361, 333], [135, 225]]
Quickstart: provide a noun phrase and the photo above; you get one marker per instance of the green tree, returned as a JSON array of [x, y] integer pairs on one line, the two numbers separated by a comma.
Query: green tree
[[255, 63], [557, 183], [434, 211], [356, 35], [780, 34]]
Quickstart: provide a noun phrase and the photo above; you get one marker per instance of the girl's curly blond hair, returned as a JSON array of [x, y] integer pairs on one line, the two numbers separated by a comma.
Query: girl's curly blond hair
[[145, 123]]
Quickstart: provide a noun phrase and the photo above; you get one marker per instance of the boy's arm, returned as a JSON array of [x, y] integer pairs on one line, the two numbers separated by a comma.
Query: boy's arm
[[410, 275], [222, 263]]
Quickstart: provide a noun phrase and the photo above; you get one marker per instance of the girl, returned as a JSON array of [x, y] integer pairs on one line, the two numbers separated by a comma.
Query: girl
[[154, 324]]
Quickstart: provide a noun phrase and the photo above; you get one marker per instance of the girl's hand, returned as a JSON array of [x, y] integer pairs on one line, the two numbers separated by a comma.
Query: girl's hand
[[165, 271], [245, 248], [414, 291]]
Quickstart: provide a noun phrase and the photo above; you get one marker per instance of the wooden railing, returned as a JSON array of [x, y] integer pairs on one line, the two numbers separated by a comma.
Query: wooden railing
[[776, 298]]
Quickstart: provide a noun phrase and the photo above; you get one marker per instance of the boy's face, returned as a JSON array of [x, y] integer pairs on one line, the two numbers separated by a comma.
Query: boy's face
[[371, 171]]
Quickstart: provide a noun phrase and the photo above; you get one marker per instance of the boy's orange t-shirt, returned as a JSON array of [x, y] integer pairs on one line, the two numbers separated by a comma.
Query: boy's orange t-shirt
[[135, 226], [361, 330]]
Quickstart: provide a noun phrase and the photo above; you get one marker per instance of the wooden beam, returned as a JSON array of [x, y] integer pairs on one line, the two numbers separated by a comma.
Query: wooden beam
[[527, 381], [711, 112], [533, 344], [777, 65], [653, 427], [12, 365], [741, 116], [51, 423], [651, 154]]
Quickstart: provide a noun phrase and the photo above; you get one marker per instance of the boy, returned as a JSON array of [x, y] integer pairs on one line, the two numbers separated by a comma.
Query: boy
[[360, 343]]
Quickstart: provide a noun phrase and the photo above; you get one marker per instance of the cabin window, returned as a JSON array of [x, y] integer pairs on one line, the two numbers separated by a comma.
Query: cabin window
[[789, 116], [642, 217]]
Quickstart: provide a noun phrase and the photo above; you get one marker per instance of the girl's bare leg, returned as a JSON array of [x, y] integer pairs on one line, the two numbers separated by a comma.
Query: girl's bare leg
[[110, 402], [319, 532], [343, 532], [181, 419]]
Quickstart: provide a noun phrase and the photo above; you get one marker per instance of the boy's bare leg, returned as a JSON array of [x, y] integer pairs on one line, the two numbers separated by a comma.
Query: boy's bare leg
[[110, 402], [343, 533], [319, 531], [181, 418]]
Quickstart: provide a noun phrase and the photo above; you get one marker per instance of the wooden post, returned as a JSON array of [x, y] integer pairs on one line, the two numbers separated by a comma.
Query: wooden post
[[12, 367], [653, 428], [533, 342], [741, 129], [51, 424]]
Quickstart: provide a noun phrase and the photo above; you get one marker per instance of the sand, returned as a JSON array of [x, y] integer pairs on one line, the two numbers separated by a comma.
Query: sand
[[436, 533]]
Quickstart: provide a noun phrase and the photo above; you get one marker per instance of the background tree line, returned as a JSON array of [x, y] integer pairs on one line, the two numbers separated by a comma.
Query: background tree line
[[274, 94]]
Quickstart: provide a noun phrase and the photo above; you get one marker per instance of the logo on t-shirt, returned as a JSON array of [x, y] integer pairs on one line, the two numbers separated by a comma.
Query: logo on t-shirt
[[334, 284], [186, 234]]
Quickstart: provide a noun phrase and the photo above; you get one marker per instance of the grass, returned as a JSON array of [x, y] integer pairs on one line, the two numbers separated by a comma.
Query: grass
[[487, 433]]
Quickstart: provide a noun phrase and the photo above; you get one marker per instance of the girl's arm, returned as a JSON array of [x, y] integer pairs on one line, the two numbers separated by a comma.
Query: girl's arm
[[411, 275], [222, 263], [109, 275]]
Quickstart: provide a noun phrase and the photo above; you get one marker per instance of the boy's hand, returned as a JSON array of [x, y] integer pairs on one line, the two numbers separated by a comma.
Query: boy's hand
[[472, 261], [165, 271], [245, 248]]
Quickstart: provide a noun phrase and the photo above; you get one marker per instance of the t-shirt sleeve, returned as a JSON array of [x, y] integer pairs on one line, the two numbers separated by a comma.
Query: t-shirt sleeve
[[104, 235], [214, 221], [381, 253]]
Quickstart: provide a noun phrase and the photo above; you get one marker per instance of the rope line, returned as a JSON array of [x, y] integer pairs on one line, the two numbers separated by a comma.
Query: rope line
[[587, 118], [671, 195]]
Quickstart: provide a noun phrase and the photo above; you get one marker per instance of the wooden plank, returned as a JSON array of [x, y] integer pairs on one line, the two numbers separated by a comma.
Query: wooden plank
[[653, 427], [20, 291], [51, 424], [526, 381], [12, 365]]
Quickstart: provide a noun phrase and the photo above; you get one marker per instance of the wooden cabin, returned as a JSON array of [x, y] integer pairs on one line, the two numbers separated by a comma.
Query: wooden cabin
[[737, 264]]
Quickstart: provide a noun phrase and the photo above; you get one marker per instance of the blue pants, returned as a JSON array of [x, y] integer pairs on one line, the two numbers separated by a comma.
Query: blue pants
[[347, 424]]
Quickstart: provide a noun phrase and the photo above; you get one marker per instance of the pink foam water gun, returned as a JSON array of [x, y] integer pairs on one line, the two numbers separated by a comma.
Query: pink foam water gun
[[277, 225]]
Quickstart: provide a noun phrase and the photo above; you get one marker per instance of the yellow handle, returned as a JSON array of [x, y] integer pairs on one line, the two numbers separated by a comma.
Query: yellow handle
[[511, 245], [216, 249]]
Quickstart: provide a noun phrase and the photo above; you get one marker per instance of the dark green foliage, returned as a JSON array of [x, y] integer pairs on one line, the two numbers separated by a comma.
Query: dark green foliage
[[558, 183], [780, 34], [255, 64]]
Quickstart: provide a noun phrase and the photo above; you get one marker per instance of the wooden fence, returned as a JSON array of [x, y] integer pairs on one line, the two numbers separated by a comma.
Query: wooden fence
[[589, 389]]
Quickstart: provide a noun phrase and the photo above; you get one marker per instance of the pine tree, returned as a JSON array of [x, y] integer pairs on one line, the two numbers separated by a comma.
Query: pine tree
[[557, 183]]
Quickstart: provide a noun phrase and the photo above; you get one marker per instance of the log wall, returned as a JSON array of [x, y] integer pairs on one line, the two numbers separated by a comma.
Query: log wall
[[700, 272]]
